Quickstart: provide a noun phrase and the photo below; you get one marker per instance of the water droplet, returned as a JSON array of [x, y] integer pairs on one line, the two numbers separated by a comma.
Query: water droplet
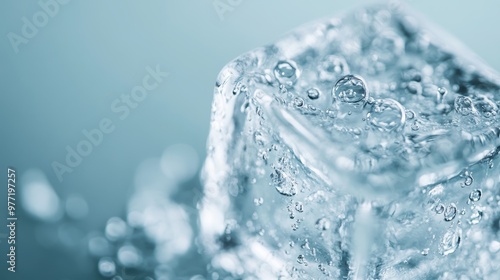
[[286, 72], [313, 93], [386, 115], [450, 212], [439, 208], [450, 242], [332, 67], [351, 89], [323, 224], [463, 105], [106, 267], [475, 195]]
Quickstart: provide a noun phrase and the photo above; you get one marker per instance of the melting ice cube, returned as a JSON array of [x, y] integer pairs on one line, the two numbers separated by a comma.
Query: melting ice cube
[[359, 147]]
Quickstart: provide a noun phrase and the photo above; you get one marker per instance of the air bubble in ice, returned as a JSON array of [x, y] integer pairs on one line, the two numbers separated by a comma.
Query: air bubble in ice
[[286, 72], [351, 89], [387, 47], [450, 241], [323, 224], [487, 107], [386, 115], [475, 195], [450, 212], [313, 93], [463, 105], [301, 259], [332, 67], [439, 209], [299, 207], [476, 217]]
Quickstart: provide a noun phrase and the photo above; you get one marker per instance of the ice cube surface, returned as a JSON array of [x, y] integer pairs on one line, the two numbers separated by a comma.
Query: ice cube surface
[[363, 146]]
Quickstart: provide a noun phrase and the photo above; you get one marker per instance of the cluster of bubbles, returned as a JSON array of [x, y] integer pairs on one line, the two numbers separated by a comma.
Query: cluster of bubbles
[[393, 99], [149, 240]]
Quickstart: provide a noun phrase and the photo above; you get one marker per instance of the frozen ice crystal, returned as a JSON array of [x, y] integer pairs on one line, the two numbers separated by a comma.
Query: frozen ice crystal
[[385, 133]]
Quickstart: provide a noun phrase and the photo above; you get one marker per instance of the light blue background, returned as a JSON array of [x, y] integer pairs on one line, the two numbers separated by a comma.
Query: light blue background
[[66, 77]]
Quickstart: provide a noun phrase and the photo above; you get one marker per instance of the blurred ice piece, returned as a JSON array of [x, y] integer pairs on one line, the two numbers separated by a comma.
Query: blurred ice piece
[[38, 198], [76, 207], [150, 208], [179, 162]]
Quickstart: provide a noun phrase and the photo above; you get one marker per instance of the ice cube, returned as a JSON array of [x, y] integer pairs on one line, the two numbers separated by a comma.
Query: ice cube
[[383, 131]]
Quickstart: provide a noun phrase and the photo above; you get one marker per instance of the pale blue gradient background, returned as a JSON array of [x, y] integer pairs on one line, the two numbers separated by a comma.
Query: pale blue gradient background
[[91, 52]]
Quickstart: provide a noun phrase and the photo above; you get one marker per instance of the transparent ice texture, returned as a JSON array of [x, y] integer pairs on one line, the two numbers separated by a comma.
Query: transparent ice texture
[[359, 147]]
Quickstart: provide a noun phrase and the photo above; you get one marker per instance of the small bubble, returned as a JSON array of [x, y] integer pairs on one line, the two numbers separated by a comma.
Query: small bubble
[[301, 259], [450, 212], [351, 89], [323, 224], [298, 102], [425, 252], [415, 126], [286, 72], [487, 107], [475, 195], [414, 87], [299, 207], [332, 67], [258, 201], [468, 180], [464, 106], [410, 115], [439, 209], [386, 115], [313, 93]]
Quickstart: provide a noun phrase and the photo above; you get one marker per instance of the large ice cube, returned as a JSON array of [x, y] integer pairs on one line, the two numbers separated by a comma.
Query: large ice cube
[[363, 147]]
